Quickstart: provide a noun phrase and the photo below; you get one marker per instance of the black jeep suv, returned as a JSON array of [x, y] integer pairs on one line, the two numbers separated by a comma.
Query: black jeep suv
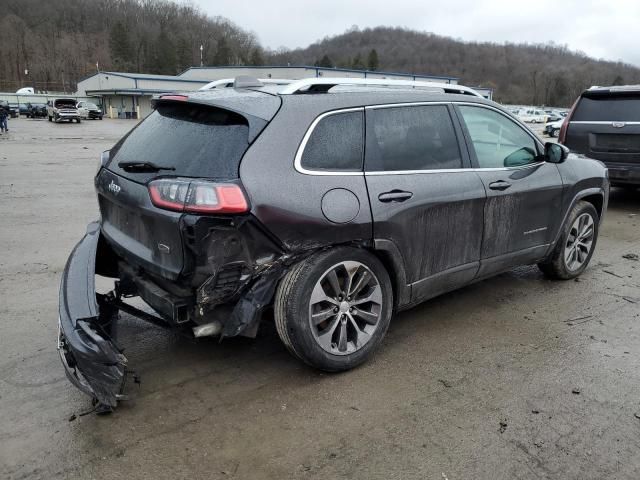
[[605, 124], [336, 206]]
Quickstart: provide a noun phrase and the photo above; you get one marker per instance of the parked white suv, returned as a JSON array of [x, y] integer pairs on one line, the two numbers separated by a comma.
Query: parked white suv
[[62, 109]]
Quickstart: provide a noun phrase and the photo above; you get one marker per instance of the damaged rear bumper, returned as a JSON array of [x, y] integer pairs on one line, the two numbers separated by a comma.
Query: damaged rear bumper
[[92, 361]]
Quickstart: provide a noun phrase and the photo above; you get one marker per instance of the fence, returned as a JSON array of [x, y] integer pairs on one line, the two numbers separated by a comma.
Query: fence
[[41, 98]]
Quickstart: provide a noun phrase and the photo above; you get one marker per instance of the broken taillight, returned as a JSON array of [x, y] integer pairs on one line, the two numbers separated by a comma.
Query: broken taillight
[[197, 196]]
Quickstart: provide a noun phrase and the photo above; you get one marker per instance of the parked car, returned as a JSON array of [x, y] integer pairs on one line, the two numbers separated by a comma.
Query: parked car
[[14, 110], [552, 128], [22, 107], [36, 110], [62, 109], [554, 116], [337, 209], [533, 116], [88, 110], [605, 124]]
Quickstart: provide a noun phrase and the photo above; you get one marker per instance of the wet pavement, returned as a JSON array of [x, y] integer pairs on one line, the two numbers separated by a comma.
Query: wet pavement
[[514, 377]]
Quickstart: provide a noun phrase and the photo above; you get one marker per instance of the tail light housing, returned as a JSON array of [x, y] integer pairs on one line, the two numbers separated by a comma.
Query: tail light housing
[[197, 196], [562, 135], [104, 159]]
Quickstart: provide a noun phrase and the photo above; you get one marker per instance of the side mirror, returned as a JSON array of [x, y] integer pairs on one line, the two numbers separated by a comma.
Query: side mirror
[[555, 153]]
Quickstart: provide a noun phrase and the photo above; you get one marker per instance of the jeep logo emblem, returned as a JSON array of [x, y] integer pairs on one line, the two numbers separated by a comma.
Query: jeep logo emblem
[[617, 124], [114, 187]]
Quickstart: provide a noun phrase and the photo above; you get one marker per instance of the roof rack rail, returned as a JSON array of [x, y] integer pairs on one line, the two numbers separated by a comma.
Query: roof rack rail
[[230, 82], [323, 85]]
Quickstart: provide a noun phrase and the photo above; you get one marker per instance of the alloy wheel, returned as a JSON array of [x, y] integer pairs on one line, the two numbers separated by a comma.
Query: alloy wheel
[[579, 242], [345, 308]]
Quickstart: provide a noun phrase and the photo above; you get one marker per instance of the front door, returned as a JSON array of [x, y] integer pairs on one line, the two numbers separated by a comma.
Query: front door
[[524, 192], [423, 197]]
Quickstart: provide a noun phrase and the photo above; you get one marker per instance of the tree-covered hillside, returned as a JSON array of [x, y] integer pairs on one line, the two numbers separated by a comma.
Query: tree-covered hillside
[[51, 44], [536, 74], [59, 41]]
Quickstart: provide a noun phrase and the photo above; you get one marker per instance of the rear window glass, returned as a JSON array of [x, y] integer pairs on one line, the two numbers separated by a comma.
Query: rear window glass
[[411, 138], [195, 140], [65, 103], [336, 144], [623, 108]]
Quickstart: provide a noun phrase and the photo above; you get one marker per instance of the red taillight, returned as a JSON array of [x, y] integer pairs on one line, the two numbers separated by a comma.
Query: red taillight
[[562, 135], [179, 98], [197, 196]]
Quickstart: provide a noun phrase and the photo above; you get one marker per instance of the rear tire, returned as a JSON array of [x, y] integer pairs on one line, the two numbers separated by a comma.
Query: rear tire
[[576, 244], [333, 309], [50, 118]]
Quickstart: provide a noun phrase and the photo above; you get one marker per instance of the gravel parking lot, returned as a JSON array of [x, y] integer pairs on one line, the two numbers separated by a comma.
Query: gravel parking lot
[[514, 377]]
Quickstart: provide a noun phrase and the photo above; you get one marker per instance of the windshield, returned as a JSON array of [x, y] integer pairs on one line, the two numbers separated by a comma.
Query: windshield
[[65, 103]]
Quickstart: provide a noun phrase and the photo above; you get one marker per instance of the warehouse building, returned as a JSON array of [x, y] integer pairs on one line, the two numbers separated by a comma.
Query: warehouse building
[[128, 95]]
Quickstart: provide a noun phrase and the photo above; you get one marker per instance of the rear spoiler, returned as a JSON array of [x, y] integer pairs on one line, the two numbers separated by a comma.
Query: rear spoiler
[[257, 112]]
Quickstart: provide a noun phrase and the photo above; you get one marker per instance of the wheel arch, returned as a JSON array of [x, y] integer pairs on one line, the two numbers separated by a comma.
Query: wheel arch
[[595, 196], [597, 200], [389, 254]]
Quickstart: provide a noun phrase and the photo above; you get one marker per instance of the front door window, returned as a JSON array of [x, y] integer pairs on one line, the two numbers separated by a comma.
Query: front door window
[[498, 142]]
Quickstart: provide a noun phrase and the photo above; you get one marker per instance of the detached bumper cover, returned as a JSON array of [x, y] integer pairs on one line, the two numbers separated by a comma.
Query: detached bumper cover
[[91, 360]]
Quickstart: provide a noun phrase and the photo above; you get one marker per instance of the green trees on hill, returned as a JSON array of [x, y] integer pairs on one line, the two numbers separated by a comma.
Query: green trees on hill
[[59, 42], [50, 45], [521, 73]]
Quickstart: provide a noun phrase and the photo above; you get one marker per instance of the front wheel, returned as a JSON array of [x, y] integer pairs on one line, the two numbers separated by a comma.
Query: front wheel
[[333, 309], [576, 245]]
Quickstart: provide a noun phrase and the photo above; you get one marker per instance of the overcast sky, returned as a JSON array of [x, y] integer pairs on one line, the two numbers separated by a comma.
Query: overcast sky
[[602, 29]]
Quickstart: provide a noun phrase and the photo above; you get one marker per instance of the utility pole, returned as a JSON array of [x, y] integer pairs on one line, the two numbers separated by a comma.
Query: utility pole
[[201, 63]]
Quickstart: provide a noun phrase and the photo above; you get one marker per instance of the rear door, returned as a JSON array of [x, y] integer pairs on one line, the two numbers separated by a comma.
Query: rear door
[[606, 126], [182, 139], [423, 197], [524, 193]]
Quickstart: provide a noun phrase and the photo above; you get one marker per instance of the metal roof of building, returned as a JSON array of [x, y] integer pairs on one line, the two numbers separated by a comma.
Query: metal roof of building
[[311, 67]]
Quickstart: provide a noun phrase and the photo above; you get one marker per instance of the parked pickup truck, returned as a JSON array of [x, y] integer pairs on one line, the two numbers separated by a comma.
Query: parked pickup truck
[[62, 109]]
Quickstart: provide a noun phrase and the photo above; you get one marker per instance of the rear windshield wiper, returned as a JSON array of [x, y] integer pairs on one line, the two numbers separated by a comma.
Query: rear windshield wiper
[[142, 167]]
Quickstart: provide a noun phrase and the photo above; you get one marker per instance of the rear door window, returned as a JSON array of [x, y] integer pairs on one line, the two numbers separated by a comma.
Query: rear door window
[[336, 143], [619, 108], [188, 140], [420, 137]]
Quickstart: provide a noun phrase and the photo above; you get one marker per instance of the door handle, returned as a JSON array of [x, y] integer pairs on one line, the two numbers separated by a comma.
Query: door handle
[[395, 196], [499, 185]]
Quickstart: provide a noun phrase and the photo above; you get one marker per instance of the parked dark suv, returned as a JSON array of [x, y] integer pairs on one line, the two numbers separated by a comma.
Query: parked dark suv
[[336, 206], [605, 124]]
